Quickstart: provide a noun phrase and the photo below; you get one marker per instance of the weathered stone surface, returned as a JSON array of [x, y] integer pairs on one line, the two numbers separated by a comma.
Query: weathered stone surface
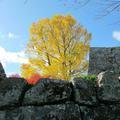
[[102, 59], [101, 112], [84, 91], [87, 113], [108, 86], [2, 72], [10, 91], [110, 112], [68, 111], [48, 91]]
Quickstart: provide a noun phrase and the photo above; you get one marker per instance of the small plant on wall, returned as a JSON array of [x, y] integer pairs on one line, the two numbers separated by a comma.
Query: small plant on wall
[[57, 48]]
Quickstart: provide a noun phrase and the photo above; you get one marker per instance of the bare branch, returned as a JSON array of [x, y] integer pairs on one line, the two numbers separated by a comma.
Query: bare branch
[[110, 7]]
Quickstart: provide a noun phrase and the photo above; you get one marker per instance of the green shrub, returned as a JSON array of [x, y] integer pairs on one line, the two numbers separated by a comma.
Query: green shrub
[[90, 78]]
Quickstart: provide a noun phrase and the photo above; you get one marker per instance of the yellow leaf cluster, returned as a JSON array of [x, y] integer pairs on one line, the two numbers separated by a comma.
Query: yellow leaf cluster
[[27, 70], [58, 47]]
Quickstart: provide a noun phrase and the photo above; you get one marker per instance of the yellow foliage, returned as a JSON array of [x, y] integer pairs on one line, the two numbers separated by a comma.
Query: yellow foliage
[[27, 70], [58, 47]]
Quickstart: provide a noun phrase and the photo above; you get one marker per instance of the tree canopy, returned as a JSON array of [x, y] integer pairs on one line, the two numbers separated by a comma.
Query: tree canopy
[[58, 48]]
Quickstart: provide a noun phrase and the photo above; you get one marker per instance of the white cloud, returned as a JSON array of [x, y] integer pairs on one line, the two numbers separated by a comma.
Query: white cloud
[[12, 57], [2, 36], [12, 36], [9, 35], [116, 35]]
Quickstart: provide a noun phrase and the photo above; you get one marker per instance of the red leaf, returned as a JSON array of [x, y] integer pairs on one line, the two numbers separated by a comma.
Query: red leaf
[[35, 78]]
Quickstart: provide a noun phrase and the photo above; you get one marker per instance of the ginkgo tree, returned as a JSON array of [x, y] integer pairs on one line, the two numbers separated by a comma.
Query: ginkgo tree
[[58, 48]]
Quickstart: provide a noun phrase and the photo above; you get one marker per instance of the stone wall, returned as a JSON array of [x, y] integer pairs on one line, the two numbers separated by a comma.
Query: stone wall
[[80, 99], [61, 100], [102, 59], [2, 72]]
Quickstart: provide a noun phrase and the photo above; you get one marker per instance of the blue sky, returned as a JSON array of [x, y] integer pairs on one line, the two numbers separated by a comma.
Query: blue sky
[[17, 17]]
